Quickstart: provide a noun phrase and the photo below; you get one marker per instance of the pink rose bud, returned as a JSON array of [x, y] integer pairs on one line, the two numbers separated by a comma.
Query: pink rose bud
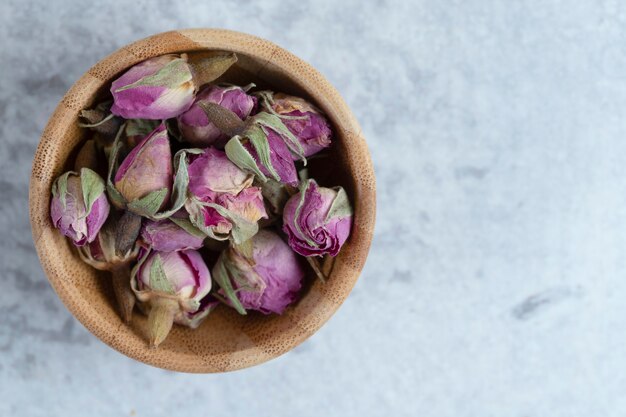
[[281, 166], [158, 88], [263, 274], [172, 287], [144, 178], [222, 202], [171, 234], [317, 220], [302, 119], [79, 206], [194, 123], [267, 149]]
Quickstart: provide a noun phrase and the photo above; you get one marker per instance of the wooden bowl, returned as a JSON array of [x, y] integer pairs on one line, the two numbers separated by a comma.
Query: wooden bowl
[[225, 341]]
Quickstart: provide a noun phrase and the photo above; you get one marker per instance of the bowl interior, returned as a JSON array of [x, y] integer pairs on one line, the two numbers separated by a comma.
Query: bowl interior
[[226, 340]]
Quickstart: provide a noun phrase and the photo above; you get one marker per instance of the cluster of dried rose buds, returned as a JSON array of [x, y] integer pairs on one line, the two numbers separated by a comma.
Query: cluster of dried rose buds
[[180, 167]]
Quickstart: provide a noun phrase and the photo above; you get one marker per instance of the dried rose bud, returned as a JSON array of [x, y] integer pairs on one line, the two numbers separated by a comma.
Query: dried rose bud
[[317, 220], [158, 88], [172, 286], [194, 124], [303, 119], [79, 206], [171, 234], [222, 202], [143, 180], [263, 274], [280, 165], [262, 145]]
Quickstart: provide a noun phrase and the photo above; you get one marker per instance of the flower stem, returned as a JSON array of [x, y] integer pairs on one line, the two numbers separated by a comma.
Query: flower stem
[[123, 293]]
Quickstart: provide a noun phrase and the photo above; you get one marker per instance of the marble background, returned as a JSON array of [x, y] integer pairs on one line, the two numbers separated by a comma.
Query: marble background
[[496, 281]]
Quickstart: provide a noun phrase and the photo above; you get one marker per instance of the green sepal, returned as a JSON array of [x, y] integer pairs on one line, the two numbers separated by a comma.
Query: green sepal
[[140, 127], [222, 277], [210, 69], [181, 183], [240, 156], [296, 218], [258, 139], [92, 186], [116, 198], [188, 227], [241, 228], [172, 75], [158, 279], [149, 204], [340, 206], [274, 122], [59, 187]]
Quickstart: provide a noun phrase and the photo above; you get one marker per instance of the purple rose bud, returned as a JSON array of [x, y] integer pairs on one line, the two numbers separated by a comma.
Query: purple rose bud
[[263, 274], [79, 206], [222, 202], [147, 170], [304, 120], [266, 148], [317, 220], [157, 89], [194, 123], [172, 286], [170, 235]]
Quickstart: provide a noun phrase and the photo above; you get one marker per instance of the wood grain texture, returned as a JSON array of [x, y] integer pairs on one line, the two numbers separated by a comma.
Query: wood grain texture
[[226, 341]]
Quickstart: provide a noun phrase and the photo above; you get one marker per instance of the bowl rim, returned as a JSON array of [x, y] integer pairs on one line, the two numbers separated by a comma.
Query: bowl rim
[[207, 39]]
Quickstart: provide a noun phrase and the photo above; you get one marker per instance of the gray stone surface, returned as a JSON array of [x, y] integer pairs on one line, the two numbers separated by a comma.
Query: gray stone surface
[[495, 285]]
